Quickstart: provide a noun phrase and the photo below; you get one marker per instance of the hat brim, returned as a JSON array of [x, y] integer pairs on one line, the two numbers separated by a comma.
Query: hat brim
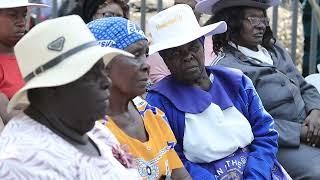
[[16, 5], [68, 70], [213, 6], [216, 28]]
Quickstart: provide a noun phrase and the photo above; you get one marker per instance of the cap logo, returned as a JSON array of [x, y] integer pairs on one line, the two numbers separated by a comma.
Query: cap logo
[[133, 28], [107, 43], [169, 22], [57, 45]]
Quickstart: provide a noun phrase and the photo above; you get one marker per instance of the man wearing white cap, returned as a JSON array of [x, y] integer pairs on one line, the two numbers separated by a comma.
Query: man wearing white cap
[[12, 28], [57, 136]]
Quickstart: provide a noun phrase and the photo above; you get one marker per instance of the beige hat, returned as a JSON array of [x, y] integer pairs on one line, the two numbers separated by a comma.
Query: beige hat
[[177, 26], [4, 4], [57, 52]]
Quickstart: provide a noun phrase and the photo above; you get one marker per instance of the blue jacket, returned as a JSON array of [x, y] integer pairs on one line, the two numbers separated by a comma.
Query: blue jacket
[[231, 88]]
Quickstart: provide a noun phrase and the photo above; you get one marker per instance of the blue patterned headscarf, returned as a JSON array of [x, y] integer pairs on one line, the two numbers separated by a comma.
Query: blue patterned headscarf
[[116, 32]]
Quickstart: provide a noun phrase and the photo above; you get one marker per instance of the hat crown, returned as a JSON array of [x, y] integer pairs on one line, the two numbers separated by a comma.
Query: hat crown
[[52, 38], [172, 22], [116, 32]]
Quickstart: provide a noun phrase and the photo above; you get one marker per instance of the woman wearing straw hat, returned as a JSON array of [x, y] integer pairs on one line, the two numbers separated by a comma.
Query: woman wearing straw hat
[[136, 124], [249, 45], [56, 137], [222, 129]]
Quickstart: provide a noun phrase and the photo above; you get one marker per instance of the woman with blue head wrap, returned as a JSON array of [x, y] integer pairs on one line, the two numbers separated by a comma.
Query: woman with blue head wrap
[[136, 124]]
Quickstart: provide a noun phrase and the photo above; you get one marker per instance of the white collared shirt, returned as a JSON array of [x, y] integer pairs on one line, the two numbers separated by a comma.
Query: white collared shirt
[[262, 54]]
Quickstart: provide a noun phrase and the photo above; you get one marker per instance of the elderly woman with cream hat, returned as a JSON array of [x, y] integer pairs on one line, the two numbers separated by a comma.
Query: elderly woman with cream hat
[[249, 45], [57, 136], [222, 129]]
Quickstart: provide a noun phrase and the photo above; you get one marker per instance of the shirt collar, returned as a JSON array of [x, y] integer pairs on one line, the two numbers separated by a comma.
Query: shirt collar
[[183, 96]]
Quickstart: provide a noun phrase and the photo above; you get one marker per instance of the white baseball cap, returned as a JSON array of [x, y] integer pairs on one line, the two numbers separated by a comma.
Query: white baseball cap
[[57, 52], [4, 4], [177, 26]]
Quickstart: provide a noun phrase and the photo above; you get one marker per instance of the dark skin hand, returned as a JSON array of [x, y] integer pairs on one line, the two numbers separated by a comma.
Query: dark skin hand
[[313, 124]]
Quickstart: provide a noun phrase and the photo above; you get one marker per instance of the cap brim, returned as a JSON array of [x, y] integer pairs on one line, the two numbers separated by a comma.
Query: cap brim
[[205, 6], [68, 70], [16, 5], [216, 28]]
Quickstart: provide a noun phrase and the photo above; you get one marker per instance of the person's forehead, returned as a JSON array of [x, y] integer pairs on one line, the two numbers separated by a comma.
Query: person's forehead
[[17, 9], [141, 44]]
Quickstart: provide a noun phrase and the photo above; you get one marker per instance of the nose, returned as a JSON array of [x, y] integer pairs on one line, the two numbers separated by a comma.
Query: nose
[[145, 67], [106, 82], [21, 21], [188, 58], [261, 25]]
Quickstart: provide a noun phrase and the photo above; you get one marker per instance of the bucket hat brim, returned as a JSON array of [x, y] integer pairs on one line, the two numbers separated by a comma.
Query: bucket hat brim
[[208, 30], [14, 4], [67, 71]]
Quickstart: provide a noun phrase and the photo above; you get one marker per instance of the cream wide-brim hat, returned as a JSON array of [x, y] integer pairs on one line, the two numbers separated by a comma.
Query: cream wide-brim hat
[[5, 4], [177, 26], [32, 52]]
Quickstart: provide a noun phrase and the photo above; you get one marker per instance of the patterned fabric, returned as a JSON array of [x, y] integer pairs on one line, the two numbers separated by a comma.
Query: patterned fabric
[[233, 166], [29, 150], [156, 157], [116, 32]]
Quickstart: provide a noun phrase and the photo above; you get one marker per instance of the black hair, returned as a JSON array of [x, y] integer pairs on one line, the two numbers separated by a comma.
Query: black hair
[[86, 9], [234, 17]]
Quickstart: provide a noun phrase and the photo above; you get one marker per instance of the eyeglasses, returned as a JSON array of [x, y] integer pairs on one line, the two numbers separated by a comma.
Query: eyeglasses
[[255, 21]]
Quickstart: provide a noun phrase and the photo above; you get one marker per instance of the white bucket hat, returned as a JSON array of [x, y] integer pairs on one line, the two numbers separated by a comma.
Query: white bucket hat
[[213, 6], [57, 52], [177, 26], [4, 4]]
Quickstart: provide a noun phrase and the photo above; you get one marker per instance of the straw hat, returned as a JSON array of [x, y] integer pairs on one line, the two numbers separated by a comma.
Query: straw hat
[[57, 52]]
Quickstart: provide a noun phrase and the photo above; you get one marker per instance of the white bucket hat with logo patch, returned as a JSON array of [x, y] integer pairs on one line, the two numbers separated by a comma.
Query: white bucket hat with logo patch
[[177, 26], [57, 52]]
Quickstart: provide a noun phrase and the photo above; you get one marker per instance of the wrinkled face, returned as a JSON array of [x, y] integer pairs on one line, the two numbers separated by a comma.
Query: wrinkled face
[[110, 9], [186, 62], [130, 75], [12, 25], [85, 100], [253, 28]]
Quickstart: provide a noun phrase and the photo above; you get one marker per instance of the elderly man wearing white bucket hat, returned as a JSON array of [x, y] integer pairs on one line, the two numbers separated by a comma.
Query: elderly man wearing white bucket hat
[[12, 28], [221, 127], [68, 89]]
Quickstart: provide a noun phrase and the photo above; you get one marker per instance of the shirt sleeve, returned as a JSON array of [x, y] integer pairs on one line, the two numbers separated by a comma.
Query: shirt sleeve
[[264, 147]]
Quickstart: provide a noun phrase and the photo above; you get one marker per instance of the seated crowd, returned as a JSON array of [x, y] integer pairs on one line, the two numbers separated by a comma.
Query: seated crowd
[[225, 102]]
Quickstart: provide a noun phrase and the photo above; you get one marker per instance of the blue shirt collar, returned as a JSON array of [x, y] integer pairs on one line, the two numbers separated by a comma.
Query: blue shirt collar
[[191, 99]]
